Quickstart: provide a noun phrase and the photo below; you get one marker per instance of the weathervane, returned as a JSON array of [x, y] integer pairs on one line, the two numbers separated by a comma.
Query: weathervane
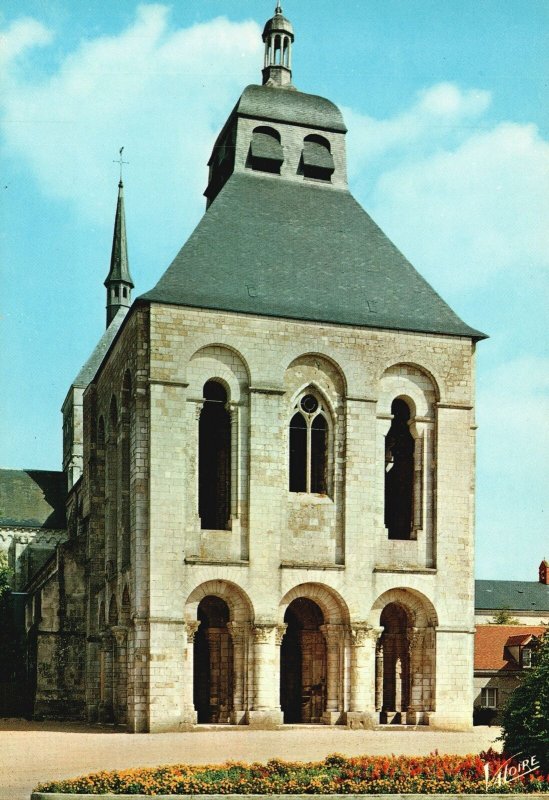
[[120, 161]]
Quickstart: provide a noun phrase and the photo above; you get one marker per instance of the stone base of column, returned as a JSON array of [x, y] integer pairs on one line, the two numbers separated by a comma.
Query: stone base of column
[[239, 717], [188, 718], [92, 712], [105, 713], [441, 721], [393, 718], [332, 717], [415, 717], [361, 720], [270, 718]]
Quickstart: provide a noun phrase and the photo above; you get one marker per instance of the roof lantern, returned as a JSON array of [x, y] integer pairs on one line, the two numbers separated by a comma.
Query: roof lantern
[[278, 35]]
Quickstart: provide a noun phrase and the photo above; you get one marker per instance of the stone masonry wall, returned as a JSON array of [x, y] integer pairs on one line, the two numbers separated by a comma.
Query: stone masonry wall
[[344, 552]]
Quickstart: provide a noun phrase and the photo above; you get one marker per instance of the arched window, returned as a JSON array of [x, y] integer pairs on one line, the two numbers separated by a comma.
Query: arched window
[[111, 491], [214, 459], [308, 465], [125, 468], [266, 152], [399, 473], [286, 52], [98, 490], [277, 51], [213, 662], [317, 159]]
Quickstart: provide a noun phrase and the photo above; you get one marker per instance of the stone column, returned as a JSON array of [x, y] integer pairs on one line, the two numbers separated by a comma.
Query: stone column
[[362, 706], [383, 424], [120, 694], [138, 701], [189, 712], [106, 678], [422, 429], [194, 514], [234, 505], [414, 715], [379, 676], [239, 635], [266, 711], [93, 677], [333, 635]]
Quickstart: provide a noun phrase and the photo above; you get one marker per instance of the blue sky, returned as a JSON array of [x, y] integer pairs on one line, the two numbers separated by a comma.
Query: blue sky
[[448, 152]]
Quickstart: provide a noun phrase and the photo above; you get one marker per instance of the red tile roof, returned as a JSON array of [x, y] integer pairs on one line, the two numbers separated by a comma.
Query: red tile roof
[[491, 642], [516, 641]]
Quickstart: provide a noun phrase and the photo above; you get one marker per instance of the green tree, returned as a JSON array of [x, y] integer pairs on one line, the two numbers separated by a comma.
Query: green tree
[[5, 575], [525, 721], [504, 617]]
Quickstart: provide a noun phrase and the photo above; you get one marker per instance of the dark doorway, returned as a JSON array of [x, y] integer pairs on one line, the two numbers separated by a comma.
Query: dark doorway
[[396, 661], [399, 473], [214, 459], [303, 663], [213, 662]]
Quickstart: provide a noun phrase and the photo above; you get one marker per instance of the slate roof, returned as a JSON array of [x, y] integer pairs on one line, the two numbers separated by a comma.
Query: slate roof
[[119, 269], [87, 373], [32, 499], [514, 595], [492, 641], [288, 105], [302, 251]]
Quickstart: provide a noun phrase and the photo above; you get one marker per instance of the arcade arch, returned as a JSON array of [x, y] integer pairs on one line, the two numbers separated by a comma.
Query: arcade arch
[[405, 656]]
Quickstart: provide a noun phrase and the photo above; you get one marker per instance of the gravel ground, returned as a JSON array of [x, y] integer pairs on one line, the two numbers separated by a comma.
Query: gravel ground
[[31, 752]]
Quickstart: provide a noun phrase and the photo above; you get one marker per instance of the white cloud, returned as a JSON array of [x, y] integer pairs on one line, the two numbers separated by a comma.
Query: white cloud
[[22, 35], [465, 214], [513, 409], [463, 197], [513, 466], [160, 92], [438, 112]]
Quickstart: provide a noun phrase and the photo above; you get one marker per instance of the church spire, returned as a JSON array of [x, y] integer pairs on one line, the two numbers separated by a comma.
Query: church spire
[[278, 36], [119, 281]]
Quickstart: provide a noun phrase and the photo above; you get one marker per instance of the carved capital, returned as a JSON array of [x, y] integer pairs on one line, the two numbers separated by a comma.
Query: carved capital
[[279, 634], [106, 641], [362, 634], [120, 634], [191, 629], [232, 409], [415, 638], [264, 633], [238, 631], [332, 633]]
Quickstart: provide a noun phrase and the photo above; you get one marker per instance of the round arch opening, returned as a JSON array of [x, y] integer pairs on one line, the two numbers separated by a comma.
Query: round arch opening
[[303, 663], [213, 662]]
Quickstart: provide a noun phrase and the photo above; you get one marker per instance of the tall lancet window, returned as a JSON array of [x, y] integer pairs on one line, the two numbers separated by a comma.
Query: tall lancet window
[[399, 473], [99, 485], [214, 458], [308, 456], [125, 468], [111, 491]]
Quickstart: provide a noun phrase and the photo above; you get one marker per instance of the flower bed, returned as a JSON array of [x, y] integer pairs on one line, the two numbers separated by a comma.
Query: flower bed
[[434, 774]]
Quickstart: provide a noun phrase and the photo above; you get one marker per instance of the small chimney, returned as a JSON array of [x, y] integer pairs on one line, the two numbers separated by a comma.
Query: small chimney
[[544, 572]]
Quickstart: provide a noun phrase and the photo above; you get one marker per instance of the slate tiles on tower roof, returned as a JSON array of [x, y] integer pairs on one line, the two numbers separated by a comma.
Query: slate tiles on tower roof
[[290, 106], [302, 251]]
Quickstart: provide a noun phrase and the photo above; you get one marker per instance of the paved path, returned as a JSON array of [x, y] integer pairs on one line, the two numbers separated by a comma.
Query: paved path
[[31, 752]]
